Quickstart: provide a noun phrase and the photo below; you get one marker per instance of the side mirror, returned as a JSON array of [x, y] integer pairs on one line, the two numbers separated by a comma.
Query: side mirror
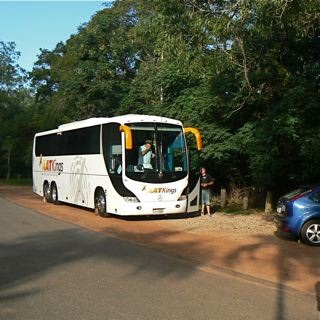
[[128, 136], [197, 135]]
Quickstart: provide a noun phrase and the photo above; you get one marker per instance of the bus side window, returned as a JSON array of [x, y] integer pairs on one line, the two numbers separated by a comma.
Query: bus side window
[[112, 149], [116, 164], [116, 159]]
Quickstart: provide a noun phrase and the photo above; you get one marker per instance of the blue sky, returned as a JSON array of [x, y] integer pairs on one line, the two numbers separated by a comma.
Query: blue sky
[[42, 24]]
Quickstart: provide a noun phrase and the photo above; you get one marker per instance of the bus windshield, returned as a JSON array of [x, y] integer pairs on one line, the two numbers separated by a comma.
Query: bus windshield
[[158, 153]]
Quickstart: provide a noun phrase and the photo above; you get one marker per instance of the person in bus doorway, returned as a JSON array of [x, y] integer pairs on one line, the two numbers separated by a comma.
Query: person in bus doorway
[[206, 185], [146, 155]]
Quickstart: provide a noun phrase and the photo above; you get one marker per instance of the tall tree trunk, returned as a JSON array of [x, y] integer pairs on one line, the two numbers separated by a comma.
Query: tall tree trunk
[[268, 206], [223, 198], [8, 163]]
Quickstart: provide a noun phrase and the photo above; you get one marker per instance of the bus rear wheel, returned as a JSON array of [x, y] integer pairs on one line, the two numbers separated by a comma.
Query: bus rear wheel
[[54, 193], [46, 192], [100, 205]]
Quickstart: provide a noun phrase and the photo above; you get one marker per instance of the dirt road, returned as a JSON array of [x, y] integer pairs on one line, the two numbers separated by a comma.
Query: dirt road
[[253, 254]]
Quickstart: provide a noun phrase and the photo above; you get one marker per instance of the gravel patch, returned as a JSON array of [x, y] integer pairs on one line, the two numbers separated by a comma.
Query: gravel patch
[[257, 223]]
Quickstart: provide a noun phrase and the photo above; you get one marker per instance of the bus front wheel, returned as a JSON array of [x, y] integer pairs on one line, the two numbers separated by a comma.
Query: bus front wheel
[[100, 204]]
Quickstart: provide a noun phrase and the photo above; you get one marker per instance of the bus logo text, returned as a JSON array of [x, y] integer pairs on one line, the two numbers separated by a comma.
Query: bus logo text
[[159, 190], [52, 165]]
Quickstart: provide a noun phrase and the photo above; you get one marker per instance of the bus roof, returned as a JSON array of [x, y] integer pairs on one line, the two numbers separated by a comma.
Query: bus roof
[[123, 119]]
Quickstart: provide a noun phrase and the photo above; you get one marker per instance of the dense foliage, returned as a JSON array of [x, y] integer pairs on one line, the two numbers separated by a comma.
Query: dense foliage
[[246, 73]]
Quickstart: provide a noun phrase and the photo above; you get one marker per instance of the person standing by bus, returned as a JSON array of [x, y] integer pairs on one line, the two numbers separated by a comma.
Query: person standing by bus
[[206, 185], [146, 155]]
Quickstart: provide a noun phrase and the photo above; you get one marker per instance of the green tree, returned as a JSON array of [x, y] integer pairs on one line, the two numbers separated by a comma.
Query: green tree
[[90, 74], [267, 84], [246, 73], [13, 99]]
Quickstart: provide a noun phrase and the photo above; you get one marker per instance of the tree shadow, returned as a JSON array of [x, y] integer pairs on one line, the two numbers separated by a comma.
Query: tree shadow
[[288, 255], [24, 260], [284, 236]]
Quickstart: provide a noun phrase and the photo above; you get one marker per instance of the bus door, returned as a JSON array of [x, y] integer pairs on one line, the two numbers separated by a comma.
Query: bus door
[[194, 146]]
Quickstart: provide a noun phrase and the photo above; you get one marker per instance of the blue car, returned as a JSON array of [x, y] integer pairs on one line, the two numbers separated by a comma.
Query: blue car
[[298, 213]]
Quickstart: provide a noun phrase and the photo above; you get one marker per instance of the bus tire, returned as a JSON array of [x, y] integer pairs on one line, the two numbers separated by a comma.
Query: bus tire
[[54, 193], [46, 192], [100, 204]]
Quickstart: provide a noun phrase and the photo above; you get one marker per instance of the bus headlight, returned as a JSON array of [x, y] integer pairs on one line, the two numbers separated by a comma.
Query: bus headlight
[[182, 197], [131, 199]]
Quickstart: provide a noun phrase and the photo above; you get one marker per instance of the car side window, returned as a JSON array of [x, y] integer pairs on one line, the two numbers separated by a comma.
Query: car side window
[[315, 197]]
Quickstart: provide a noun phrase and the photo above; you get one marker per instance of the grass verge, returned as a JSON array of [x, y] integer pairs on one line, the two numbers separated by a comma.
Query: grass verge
[[17, 182]]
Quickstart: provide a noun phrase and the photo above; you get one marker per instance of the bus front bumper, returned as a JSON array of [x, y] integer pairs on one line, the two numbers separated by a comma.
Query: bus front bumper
[[152, 208]]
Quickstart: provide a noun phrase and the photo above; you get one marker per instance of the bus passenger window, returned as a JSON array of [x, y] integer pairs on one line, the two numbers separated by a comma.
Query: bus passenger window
[[116, 164]]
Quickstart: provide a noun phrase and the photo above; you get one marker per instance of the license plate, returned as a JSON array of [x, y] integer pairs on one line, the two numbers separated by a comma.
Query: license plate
[[158, 210]]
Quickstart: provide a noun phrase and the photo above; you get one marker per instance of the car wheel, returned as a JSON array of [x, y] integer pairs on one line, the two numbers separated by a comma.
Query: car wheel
[[310, 233], [54, 193], [46, 193], [100, 204]]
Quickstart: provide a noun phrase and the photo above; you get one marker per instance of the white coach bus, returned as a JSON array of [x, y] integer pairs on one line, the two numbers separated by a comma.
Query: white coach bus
[[95, 163]]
